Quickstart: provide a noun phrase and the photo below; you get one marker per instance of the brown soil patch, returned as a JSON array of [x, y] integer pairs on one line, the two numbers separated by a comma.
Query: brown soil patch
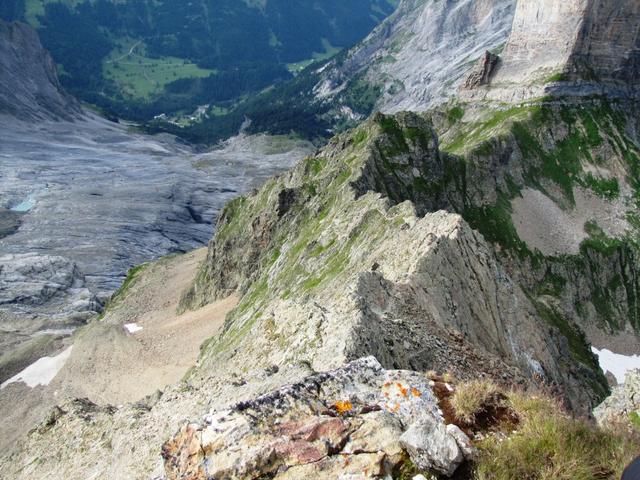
[[109, 364]]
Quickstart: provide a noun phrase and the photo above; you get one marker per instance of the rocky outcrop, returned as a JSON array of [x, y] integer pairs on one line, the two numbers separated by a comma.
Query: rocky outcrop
[[29, 85], [359, 420], [482, 71], [32, 279], [623, 406], [9, 222]]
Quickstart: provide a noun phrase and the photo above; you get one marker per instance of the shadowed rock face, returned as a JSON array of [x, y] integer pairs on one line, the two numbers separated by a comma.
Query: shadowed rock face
[[608, 45], [29, 85], [482, 71]]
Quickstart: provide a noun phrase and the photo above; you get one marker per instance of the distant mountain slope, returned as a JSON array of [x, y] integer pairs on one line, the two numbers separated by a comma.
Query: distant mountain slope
[[147, 57], [419, 55], [29, 86], [413, 60]]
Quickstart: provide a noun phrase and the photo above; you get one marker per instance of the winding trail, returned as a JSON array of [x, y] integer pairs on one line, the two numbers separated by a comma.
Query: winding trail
[[126, 54]]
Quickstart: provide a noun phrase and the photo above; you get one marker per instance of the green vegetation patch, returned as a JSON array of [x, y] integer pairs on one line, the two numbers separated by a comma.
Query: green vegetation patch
[[140, 76], [529, 435], [550, 445], [608, 188], [468, 135], [132, 276], [35, 8], [599, 241], [634, 419]]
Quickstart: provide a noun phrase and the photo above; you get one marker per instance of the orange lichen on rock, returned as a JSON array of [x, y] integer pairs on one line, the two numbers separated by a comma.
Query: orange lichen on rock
[[403, 390], [415, 392], [343, 407], [394, 408]]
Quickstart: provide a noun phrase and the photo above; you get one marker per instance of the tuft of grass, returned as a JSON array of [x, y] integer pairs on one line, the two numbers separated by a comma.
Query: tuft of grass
[[557, 77], [552, 446], [545, 443], [132, 276], [472, 398], [634, 419], [455, 114]]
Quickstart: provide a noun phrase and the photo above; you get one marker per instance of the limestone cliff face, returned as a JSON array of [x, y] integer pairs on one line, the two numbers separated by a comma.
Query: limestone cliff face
[[29, 85], [577, 47], [420, 54]]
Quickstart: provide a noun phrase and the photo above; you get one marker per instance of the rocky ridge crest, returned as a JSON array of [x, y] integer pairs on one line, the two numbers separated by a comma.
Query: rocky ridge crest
[[336, 245]]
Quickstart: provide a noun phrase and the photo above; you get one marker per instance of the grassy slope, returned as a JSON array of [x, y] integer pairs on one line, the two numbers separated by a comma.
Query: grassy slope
[[142, 77]]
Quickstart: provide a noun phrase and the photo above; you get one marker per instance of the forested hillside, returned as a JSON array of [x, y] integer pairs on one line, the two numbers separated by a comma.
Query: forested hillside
[[139, 59]]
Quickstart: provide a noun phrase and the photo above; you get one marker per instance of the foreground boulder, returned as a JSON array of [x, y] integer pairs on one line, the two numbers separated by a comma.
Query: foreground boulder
[[355, 422], [623, 406]]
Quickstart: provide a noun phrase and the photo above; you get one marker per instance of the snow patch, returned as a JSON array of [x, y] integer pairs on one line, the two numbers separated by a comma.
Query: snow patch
[[618, 365], [132, 327], [41, 372]]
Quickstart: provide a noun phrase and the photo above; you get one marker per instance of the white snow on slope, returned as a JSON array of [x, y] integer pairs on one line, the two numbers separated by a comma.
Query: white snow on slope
[[42, 371], [615, 363], [132, 327]]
